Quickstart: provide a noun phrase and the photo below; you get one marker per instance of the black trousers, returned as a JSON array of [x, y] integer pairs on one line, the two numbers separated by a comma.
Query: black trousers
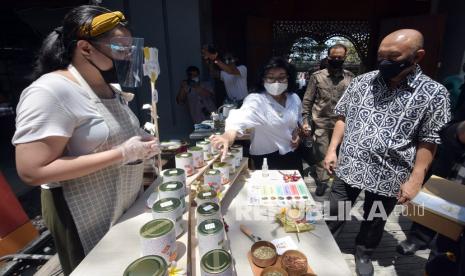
[[276, 161], [371, 231]]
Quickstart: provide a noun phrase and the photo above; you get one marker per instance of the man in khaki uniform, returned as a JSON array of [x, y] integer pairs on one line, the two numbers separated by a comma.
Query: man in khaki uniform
[[324, 90]]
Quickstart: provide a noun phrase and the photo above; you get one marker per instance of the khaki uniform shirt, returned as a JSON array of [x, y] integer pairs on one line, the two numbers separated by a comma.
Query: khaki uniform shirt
[[323, 93]]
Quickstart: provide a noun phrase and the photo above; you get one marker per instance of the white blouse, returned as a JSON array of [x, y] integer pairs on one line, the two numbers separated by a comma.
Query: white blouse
[[272, 123]]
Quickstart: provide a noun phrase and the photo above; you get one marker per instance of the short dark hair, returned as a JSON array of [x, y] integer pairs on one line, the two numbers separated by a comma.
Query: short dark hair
[[279, 62], [210, 48], [337, 45], [192, 68]]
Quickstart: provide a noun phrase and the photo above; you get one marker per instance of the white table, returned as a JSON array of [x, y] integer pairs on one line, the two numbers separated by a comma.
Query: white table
[[121, 245], [324, 255]]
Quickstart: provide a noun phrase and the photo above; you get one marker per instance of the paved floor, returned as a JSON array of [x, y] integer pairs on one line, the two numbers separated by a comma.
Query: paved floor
[[51, 268], [386, 260]]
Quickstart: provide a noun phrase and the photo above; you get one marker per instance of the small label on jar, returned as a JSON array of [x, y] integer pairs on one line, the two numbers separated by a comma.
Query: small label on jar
[[210, 226], [166, 204], [208, 207]]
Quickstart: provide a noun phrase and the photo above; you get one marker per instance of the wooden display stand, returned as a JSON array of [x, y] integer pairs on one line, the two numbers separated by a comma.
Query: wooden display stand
[[193, 248]]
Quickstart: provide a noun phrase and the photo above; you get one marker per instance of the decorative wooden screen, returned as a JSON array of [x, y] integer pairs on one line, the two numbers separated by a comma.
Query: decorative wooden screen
[[285, 33]]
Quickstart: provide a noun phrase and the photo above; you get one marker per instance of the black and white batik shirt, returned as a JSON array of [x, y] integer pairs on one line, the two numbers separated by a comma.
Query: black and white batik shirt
[[383, 127]]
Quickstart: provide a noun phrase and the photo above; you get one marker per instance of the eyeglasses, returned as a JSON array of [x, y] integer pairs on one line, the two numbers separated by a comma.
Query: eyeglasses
[[273, 80], [122, 48], [117, 48]]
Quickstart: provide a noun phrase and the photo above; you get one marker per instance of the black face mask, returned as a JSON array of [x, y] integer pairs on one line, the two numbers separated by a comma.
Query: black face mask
[[111, 75], [390, 69], [335, 63]]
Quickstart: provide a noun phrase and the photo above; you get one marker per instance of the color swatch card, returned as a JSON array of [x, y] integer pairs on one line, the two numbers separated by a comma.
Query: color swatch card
[[274, 191]]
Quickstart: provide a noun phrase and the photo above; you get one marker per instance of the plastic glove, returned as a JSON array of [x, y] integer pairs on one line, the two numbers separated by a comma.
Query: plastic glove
[[138, 148]]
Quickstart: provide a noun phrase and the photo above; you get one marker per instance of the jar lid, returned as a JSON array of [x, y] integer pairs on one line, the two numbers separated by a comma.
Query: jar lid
[[173, 172], [148, 265], [208, 208], [156, 228], [166, 205], [212, 172], [184, 155], [219, 164], [210, 226], [170, 186], [195, 149], [216, 261]]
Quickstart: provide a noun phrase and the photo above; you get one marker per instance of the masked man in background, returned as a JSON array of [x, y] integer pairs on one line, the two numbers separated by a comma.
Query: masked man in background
[[324, 90]]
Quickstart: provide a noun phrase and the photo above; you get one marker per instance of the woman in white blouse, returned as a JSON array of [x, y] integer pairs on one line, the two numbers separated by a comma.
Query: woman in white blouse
[[274, 114]]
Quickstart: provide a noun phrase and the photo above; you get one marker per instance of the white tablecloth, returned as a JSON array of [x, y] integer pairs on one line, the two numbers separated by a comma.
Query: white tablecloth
[[324, 255]]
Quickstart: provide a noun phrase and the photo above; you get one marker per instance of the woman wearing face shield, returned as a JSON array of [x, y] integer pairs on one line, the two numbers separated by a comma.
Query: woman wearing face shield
[[76, 135], [275, 116]]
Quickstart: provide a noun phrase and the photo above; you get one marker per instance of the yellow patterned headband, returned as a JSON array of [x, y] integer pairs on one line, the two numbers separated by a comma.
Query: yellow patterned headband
[[103, 23]]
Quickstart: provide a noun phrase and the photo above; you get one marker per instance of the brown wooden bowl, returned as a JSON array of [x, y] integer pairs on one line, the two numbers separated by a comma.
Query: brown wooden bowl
[[263, 262], [273, 269], [292, 271]]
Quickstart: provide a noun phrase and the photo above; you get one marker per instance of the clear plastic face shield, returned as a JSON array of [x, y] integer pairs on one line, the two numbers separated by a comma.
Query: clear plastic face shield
[[128, 58]]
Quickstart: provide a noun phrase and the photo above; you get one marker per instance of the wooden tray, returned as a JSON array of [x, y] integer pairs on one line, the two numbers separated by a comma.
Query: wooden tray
[[193, 242], [258, 270]]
